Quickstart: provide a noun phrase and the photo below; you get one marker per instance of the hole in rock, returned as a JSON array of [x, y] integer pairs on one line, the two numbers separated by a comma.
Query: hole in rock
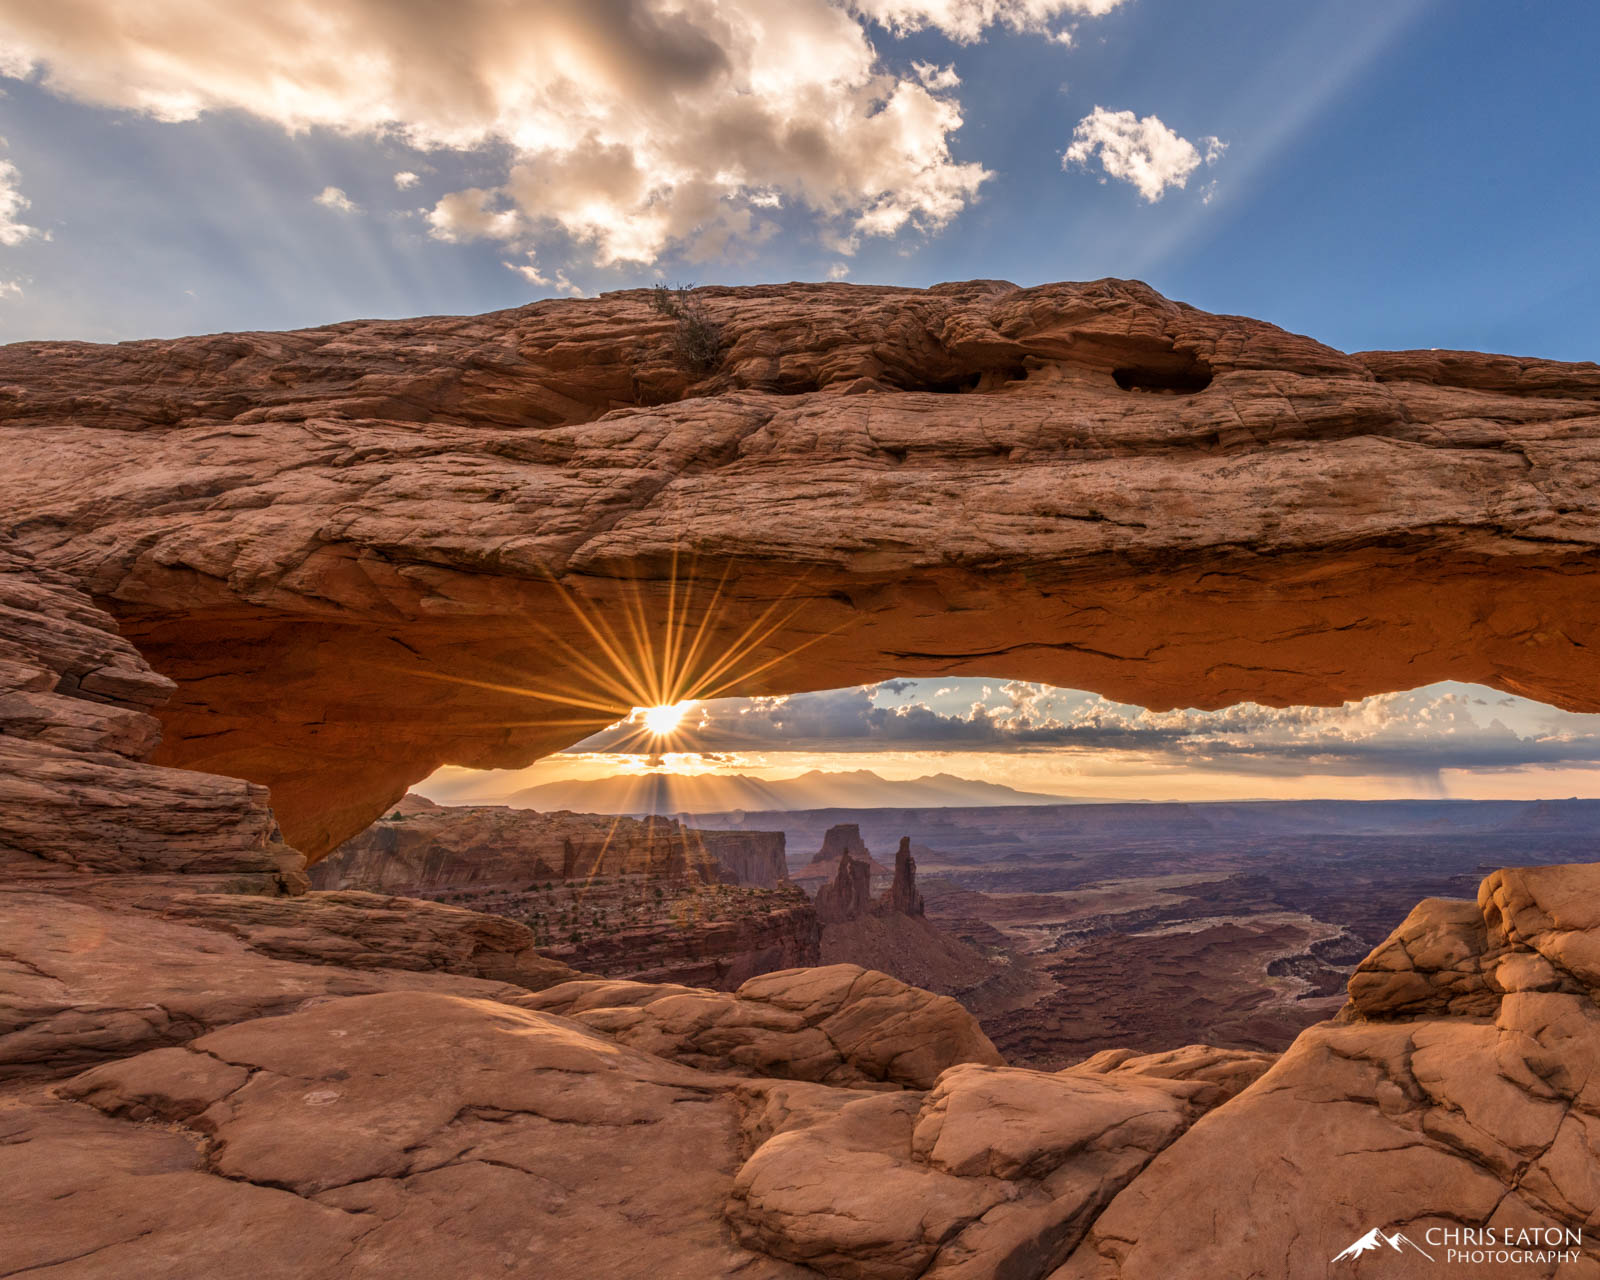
[[1087, 874], [975, 380], [1172, 380]]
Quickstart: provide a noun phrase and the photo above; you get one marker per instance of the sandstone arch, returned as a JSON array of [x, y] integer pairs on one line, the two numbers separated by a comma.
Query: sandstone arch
[[1084, 484]]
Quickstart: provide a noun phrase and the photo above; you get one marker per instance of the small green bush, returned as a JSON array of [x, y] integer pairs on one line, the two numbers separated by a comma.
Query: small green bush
[[697, 341]]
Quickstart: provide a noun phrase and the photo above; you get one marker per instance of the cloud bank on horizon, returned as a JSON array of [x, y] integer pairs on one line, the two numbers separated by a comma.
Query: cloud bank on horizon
[[617, 130], [1414, 735]]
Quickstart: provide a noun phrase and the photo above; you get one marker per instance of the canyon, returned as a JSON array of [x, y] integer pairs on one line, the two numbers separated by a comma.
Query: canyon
[[255, 585], [421, 847], [647, 899]]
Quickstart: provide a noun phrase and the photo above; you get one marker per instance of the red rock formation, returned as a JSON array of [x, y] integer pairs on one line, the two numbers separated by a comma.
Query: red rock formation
[[850, 894], [1309, 526], [352, 547], [76, 726], [439, 847], [841, 840], [890, 932], [902, 896], [701, 944], [751, 857]]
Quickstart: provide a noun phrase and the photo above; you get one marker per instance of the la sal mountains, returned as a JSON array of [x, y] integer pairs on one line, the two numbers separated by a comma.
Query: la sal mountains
[[663, 792]]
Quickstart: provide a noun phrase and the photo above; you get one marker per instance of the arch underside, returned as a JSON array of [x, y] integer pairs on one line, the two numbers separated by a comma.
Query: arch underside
[[366, 551]]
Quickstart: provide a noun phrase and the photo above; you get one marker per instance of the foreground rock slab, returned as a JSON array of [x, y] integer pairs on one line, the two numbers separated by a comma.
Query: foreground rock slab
[[420, 1134], [399, 1135]]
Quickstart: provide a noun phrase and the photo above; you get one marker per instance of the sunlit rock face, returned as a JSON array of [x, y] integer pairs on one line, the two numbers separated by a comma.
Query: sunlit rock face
[[421, 848], [359, 550]]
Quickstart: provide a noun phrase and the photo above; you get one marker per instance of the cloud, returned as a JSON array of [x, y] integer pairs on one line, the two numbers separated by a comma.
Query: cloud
[[13, 231], [838, 271], [1412, 733], [405, 180], [334, 198], [632, 127], [467, 215], [965, 21], [530, 272], [1141, 152], [10, 289]]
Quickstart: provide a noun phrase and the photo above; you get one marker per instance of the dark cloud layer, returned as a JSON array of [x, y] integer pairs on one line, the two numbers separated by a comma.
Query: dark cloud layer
[[1407, 733]]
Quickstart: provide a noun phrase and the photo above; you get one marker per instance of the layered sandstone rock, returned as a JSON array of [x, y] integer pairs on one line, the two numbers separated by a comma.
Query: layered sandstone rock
[[840, 842], [646, 899], [433, 847], [76, 724], [1458, 1091], [417, 529], [705, 938], [848, 895], [83, 981], [365, 550], [994, 1172], [750, 857]]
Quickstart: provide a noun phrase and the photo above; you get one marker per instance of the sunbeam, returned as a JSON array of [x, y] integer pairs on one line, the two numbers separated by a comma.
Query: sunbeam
[[642, 675]]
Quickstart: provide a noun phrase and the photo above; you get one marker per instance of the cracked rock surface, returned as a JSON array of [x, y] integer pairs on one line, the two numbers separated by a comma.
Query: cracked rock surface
[[1458, 1088]]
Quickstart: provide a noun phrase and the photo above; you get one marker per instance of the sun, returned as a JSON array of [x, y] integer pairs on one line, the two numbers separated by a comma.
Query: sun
[[664, 720]]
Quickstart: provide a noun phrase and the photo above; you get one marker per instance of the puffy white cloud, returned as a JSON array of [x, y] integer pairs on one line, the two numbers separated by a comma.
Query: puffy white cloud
[[466, 215], [13, 230], [631, 125], [530, 272], [405, 180], [838, 271], [1142, 152], [967, 20], [936, 77], [334, 198], [10, 289]]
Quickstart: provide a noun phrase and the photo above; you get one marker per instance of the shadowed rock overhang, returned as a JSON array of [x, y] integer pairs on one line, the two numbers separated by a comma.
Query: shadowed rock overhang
[[367, 550]]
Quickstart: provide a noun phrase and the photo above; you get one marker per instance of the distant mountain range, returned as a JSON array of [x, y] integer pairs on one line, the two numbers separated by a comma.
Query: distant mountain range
[[723, 793]]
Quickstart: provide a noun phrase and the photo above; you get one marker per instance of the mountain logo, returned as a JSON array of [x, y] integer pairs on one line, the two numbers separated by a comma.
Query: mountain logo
[[1375, 1239]]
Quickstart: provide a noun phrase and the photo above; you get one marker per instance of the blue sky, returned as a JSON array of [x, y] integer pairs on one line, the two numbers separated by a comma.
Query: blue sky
[[1396, 173]]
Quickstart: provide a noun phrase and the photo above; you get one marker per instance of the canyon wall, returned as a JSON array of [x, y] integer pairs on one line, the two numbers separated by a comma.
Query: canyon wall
[[420, 847], [702, 942], [369, 549]]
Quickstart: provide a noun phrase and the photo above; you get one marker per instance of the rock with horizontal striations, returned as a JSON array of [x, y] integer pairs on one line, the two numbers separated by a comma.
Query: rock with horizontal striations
[[374, 931], [76, 722], [447, 539], [83, 981], [424, 850]]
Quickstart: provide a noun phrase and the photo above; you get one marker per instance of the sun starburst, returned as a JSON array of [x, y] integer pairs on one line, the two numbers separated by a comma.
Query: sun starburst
[[662, 721], [639, 663]]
